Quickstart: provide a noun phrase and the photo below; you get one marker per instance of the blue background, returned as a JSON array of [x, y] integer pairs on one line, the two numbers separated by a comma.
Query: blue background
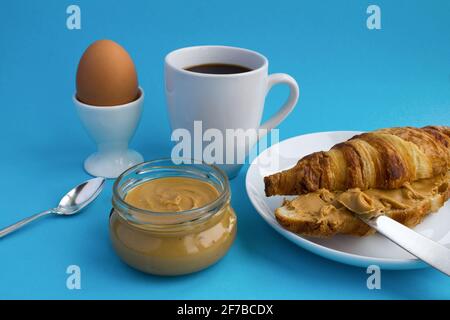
[[351, 78]]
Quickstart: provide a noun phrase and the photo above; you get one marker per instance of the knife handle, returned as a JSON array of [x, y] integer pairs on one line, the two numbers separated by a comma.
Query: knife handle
[[431, 252]]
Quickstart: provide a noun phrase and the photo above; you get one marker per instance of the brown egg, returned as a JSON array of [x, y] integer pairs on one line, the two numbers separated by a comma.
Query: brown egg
[[106, 75]]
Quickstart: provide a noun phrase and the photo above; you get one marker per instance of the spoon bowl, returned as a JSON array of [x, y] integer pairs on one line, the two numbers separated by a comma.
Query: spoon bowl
[[80, 196]]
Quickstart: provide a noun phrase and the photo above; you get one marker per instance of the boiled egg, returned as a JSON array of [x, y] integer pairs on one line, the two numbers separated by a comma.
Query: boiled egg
[[106, 75]]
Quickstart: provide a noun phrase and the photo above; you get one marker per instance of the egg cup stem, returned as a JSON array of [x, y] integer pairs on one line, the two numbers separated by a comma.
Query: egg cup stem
[[111, 163]]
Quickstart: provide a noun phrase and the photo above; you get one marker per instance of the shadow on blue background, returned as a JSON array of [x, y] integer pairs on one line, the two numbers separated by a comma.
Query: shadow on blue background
[[350, 78]]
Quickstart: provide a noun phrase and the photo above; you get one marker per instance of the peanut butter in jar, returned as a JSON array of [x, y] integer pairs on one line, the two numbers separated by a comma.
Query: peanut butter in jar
[[172, 220]]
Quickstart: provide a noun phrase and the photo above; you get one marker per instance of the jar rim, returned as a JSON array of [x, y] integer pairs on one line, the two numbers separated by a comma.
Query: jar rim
[[219, 201]]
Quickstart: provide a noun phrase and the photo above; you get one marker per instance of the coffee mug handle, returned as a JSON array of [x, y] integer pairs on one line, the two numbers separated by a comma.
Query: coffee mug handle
[[288, 106]]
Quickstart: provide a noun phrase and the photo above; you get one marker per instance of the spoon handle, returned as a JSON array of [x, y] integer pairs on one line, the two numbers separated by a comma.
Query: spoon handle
[[23, 222]]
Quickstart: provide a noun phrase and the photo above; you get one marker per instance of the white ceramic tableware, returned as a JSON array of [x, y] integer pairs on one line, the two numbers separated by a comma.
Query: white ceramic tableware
[[358, 251], [223, 101], [111, 128]]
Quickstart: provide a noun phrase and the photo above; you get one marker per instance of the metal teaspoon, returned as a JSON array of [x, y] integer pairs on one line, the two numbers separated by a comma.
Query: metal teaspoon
[[75, 200]]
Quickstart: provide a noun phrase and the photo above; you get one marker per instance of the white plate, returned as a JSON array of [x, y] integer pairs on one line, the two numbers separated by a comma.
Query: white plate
[[351, 250]]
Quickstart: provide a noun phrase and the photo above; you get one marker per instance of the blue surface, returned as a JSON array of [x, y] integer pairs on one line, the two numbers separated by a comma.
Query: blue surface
[[350, 78]]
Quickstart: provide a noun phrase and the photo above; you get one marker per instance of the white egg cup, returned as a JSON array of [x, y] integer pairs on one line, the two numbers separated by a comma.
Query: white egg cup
[[111, 128]]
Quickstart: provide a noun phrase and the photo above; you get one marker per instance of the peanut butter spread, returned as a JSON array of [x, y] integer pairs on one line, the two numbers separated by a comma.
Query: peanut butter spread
[[167, 241], [324, 213], [172, 194]]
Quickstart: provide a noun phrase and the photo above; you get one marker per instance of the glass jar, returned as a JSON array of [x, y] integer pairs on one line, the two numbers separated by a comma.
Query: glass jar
[[171, 243]]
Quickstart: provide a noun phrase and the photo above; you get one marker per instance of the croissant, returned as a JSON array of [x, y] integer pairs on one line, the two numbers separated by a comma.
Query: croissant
[[383, 159], [324, 213]]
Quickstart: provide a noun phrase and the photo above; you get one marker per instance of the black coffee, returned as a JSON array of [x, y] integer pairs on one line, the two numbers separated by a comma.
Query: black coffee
[[218, 68]]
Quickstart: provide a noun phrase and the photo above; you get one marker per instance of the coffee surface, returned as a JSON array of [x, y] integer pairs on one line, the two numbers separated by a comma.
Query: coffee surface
[[218, 68]]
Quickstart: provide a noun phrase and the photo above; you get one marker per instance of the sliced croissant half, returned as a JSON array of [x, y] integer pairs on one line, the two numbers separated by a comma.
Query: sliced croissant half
[[384, 159], [323, 213]]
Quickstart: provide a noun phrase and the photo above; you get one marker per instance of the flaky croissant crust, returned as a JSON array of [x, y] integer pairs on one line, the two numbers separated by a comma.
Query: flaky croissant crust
[[384, 159]]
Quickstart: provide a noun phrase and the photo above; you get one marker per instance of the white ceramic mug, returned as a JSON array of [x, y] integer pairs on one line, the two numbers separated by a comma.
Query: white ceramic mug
[[222, 101]]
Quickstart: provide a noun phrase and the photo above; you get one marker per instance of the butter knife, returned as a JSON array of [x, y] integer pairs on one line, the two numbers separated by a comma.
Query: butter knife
[[427, 250]]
